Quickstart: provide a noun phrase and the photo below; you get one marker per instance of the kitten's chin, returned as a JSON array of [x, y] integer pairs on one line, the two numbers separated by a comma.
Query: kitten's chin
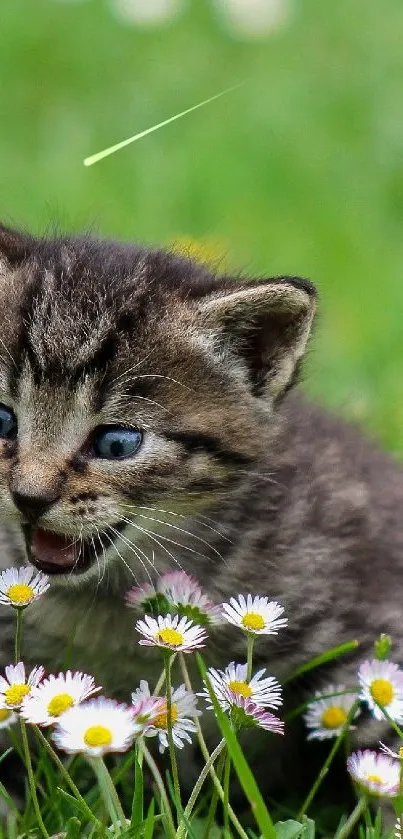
[[56, 553]]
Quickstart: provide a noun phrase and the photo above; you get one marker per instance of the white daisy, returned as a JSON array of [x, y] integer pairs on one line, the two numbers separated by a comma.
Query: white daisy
[[7, 717], [377, 773], [183, 707], [265, 693], [382, 687], [96, 727], [171, 633], [55, 695], [246, 714], [21, 586], [146, 706], [184, 593], [16, 686], [257, 615], [326, 717]]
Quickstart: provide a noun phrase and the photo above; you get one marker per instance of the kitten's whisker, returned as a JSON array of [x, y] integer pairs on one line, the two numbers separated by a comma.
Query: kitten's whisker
[[156, 540], [166, 539], [181, 530], [181, 516], [144, 399], [9, 354], [136, 550], [113, 544], [97, 559], [127, 372], [160, 376]]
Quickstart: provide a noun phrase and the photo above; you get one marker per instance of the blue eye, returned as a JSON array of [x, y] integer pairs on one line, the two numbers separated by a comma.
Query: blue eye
[[114, 443], [8, 423]]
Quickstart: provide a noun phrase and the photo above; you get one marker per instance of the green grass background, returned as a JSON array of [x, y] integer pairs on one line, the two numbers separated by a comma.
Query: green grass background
[[300, 170]]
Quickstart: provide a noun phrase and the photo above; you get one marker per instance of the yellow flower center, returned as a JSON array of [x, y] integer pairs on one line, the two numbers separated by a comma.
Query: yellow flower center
[[20, 594], [15, 694], [60, 703], [240, 687], [170, 636], [252, 620], [4, 714], [374, 779], [161, 721], [382, 691], [333, 717], [98, 735]]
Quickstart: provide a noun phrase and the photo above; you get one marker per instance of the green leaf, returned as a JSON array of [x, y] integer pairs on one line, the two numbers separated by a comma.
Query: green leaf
[[289, 829], [73, 828], [149, 822], [329, 655], [241, 766]]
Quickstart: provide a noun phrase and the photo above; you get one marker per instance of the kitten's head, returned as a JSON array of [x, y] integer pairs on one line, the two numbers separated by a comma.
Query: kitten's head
[[131, 379]]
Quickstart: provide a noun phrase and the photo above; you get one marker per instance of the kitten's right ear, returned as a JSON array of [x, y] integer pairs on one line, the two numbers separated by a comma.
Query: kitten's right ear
[[14, 246]]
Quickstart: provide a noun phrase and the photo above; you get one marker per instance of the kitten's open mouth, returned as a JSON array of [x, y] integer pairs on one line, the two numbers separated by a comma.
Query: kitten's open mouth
[[55, 553]]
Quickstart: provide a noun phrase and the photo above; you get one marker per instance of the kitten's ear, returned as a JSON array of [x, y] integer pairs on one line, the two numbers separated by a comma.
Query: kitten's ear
[[267, 323], [14, 246]]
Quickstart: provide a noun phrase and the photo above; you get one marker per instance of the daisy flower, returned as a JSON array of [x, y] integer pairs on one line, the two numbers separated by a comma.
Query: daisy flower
[[376, 773], [257, 615], [7, 717], [171, 633], [327, 716], [382, 685], [246, 714], [55, 695], [21, 586], [183, 706], [142, 597], [96, 727], [184, 593], [263, 692], [15, 686], [145, 706]]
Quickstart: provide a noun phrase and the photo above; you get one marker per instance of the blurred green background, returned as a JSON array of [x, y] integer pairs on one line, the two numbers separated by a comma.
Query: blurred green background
[[298, 171]]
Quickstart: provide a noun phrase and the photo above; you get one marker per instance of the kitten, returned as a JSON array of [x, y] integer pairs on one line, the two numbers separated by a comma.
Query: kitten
[[146, 421]]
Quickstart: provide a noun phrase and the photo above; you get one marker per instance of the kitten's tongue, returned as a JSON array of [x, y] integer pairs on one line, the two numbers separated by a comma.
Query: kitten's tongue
[[53, 548]]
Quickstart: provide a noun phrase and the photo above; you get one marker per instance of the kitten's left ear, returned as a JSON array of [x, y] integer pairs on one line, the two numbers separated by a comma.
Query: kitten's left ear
[[267, 323], [14, 246]]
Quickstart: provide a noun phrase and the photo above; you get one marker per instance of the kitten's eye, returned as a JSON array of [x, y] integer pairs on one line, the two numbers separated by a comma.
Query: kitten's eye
[[8, 423], [114, 443]]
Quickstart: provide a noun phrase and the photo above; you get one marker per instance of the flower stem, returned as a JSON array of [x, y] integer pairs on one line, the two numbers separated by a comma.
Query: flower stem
[[227, 773], [251, 641], [324, 770], [18, 631], [214, 798], [196, 790], [205, 752], [172, 753], [67, 777], [161, 788], [31, 779], [352, 819]]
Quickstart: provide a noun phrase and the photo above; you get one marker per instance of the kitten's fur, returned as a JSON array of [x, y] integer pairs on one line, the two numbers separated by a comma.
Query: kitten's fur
[[272, 495]]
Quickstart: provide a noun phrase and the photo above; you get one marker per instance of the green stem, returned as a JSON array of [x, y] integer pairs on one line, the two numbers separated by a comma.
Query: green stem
[[110, 795], [67, 777], [18, 632], [249, 659], [206, 754], [196, 790], [214, 799], [227, 773], [391, 722], [328, 761], [352, 819], [31, 779], [161, 788], [171, 745]]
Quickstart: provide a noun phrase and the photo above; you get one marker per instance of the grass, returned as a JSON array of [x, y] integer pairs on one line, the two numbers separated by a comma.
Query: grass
[[298, 171]]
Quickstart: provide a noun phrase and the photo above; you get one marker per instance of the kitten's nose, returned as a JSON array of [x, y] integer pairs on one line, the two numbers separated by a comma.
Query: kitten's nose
[[34, 504]]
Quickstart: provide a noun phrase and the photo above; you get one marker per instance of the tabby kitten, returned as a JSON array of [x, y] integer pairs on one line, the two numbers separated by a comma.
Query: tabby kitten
[[146, 421]]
